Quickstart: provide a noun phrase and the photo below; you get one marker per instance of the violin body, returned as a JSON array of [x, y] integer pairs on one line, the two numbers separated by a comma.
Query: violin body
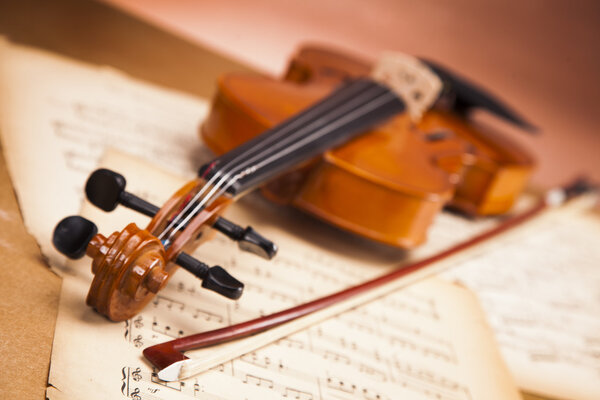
[[387, 184], [493, 178]]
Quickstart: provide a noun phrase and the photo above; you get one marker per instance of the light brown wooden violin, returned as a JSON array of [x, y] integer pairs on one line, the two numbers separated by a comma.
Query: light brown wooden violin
[[301, 123]]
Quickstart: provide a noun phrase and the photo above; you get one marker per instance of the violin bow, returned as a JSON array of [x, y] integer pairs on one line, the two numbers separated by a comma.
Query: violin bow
[[243, 337]]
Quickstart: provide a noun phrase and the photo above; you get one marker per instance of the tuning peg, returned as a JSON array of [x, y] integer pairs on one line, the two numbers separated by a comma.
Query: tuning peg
[[72, 235], [248, 239], [213, 278], [106, 189]]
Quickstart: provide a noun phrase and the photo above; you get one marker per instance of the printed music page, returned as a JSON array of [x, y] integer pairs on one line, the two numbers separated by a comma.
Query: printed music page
[[542, 298], [57, 117], [429, 341]]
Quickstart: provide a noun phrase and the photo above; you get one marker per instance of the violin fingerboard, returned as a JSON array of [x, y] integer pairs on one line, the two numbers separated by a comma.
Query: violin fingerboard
[[345, 113]]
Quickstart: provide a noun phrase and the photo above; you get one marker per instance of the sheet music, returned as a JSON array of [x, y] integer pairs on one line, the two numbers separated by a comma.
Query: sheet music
[[424, 343], [58, 116], [542, 298]]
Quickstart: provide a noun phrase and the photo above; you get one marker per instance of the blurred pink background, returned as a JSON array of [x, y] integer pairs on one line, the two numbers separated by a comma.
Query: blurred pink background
[[540, 56]]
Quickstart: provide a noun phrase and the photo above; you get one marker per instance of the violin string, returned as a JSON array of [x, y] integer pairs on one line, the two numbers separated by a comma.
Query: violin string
[[328, 103], [217, 190], [348, 90]]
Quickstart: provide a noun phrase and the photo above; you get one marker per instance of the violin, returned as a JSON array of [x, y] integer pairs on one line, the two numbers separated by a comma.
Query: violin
[[389, 183], [131, 266]]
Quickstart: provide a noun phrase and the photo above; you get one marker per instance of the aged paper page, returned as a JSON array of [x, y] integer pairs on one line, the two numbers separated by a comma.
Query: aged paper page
[[57, 116], [542, 297], [427, 342]]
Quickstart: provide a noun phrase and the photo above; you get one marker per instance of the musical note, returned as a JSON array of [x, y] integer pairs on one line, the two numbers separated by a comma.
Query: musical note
[[168, 303], [375, 373], [166, 329], [253, 358], [331, 355], [371, 394], [197, 389], [207, 315], [336, 383], [293, 343], [138, 322], [297, 394], [258, 381]]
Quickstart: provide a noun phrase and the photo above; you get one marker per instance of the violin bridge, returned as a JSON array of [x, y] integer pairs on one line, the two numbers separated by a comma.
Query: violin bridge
[[411, 79]]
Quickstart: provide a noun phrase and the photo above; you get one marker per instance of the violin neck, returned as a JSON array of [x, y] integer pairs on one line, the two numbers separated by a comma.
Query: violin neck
[[347, 112]]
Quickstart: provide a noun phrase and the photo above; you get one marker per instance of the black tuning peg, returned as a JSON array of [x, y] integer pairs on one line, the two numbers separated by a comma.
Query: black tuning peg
[[248, 239], [106, 189], [213, 278], [72, 235]]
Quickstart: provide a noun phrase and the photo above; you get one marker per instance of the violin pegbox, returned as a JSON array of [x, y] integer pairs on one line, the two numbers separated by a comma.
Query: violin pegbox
[[411, 79], [132, 265], [129, 267]]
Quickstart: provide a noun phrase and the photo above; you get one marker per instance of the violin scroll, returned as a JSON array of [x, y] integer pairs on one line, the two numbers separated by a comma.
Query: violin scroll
[[131, 266]]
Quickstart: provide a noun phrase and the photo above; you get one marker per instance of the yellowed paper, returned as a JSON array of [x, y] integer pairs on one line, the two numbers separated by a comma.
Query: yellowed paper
[[542, 297], [428, 342], [58, 116]]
